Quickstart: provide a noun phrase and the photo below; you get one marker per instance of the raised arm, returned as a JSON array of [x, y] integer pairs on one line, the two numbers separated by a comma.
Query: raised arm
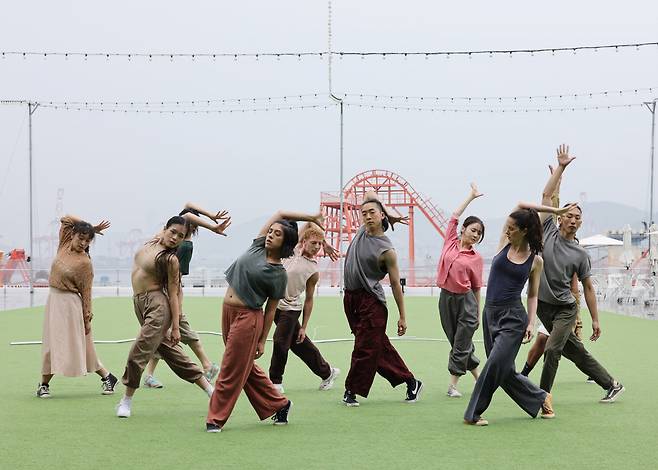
[[474, 194], [563, 160], [217, 228], [542, 209], [391, 261], [215, 216], [98, 228], [317, 219], [392, 219]]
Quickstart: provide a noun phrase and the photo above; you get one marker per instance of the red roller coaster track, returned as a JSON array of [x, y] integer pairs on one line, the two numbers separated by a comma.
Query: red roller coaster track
[[394, 191]]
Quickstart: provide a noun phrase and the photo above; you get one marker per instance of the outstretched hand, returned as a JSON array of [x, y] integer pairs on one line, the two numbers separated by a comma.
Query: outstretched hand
[[565, 209], [474, 191], [394, 219], [330, 251], [221, 215], [318, 219], [220, 228], [563, 157], [102, 225]]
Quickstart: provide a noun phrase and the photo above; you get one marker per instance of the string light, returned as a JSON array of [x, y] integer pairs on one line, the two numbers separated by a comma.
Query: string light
[[181, 111], [300, 54], [495, 110], [189, 103], [484, 99]]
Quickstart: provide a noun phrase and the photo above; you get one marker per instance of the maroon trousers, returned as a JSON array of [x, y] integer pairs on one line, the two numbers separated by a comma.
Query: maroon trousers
[[373, 352], [285, 339], [241, 329]]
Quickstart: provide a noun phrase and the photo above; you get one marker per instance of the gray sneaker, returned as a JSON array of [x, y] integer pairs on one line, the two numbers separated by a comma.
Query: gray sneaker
[[212, 372], [328, 383], [152, 382], [453, 392]]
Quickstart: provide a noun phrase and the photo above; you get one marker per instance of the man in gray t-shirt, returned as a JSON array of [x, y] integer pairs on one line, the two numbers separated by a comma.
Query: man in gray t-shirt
[[562, 258], [557, 309]]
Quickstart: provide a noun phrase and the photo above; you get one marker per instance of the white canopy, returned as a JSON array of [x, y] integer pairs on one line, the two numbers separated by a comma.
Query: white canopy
[[600, 240]]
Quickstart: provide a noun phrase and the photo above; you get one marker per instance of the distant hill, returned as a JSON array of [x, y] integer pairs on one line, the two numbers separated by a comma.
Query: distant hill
[[216, 252]]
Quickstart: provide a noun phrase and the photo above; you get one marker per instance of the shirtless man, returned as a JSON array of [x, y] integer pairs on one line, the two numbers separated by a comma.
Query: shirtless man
[[156, 287]]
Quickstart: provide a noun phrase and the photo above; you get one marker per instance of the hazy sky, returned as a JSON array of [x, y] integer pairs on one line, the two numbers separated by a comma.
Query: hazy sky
[[137, 169]]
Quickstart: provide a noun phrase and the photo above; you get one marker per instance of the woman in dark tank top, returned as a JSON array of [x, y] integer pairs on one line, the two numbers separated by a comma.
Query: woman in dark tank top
[[506, 324]]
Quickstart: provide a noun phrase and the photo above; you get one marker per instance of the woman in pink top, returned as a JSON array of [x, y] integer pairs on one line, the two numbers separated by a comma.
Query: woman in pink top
[[460, 280]]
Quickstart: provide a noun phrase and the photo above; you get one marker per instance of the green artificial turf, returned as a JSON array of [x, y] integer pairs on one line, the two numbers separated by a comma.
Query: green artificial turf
[[77, 427]]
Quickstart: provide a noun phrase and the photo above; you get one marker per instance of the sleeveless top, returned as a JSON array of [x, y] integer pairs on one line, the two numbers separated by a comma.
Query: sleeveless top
[[299, 269], [506, 279], [362, 270]]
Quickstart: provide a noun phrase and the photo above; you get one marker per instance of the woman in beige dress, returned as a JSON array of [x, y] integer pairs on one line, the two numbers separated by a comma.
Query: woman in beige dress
[[68, 345]]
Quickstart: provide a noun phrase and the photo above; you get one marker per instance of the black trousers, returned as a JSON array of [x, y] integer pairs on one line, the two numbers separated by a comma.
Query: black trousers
[[285, 339], [503, 327]]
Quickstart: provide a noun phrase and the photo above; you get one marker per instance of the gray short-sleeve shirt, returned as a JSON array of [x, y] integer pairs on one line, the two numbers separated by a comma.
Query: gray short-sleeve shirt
[[362, 270], [562, 258], [254, 279]]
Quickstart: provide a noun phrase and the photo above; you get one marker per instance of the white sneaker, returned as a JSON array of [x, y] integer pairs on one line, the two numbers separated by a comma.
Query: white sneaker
[[453, 392], [123, 409], [328, 383], [279, 387]]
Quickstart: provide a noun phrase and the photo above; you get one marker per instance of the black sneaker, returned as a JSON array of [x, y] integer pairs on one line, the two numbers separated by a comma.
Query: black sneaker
[[108, 384], [349, 399], [211, 427], [413, 392], [613, 393], [43, 391], [281, 416], [590, 380]]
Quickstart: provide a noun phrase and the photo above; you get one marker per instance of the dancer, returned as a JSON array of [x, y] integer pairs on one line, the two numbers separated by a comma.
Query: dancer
[[156, 287], [188, 336], [67, 343], [506, 323], [538, 347], [369, 258], [557, 305], [289, 335], [460, 280], [257, 277]]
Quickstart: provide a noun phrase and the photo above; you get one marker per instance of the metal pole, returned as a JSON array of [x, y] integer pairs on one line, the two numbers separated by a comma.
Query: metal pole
[[342, 202], [652, 108], [30, 256], [341, 193]]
